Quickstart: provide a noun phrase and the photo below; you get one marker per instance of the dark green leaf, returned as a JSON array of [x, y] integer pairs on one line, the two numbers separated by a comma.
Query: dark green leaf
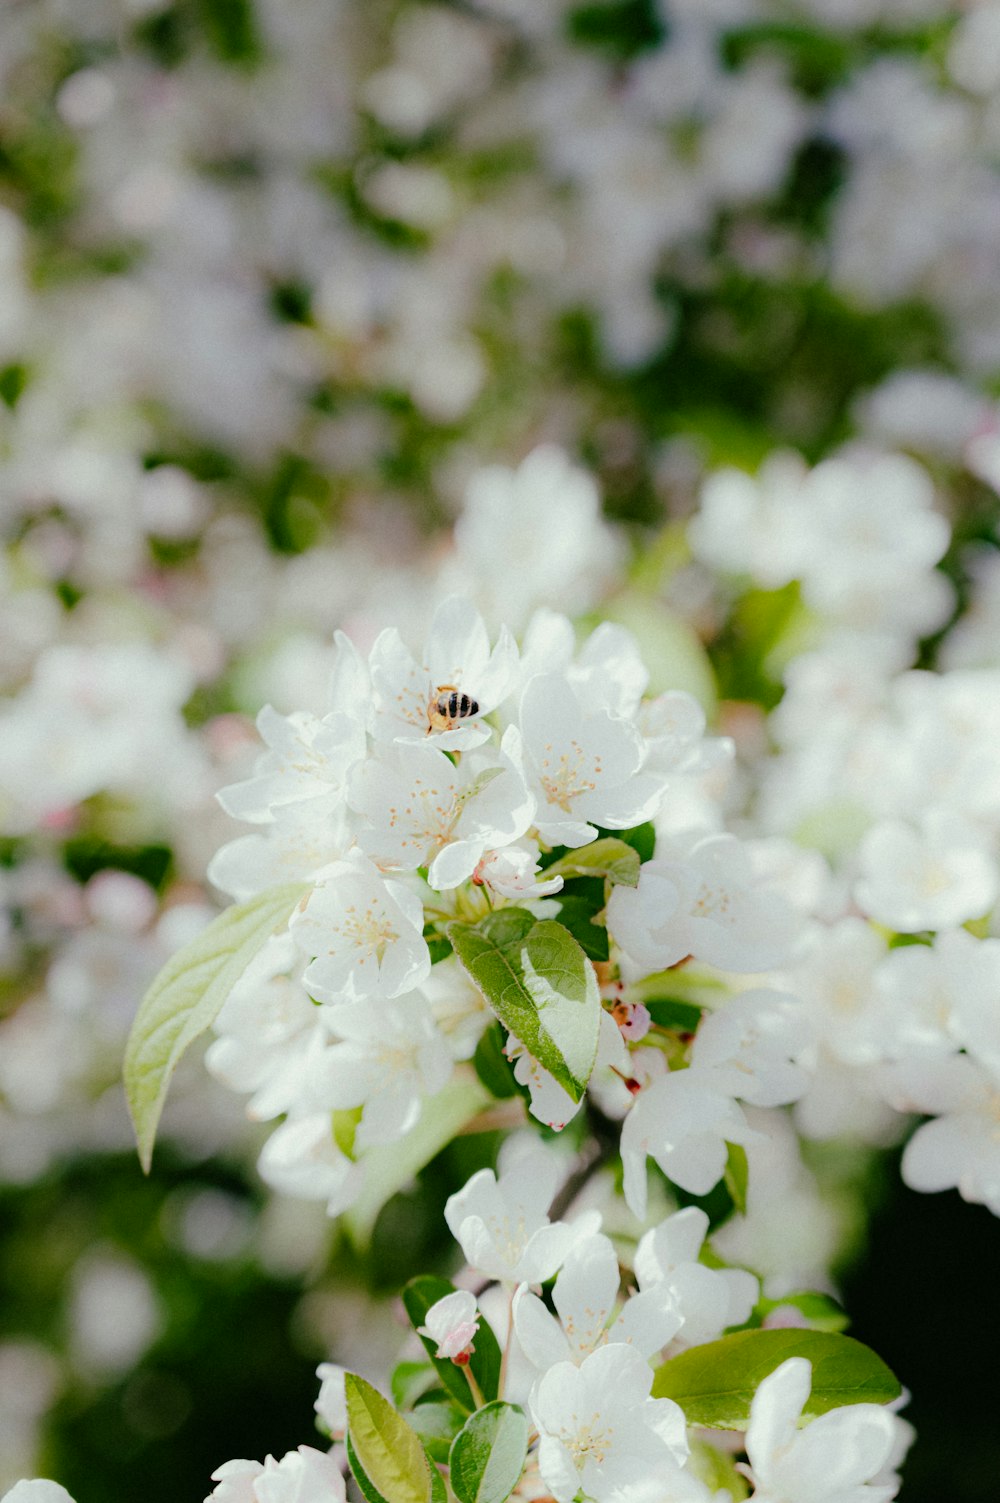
[[493, 1067], [578, 917], [541, 986], [488, 1457], [715, 1384], [438, 946], [672, 1012], [418, 1297], [439, 1493]]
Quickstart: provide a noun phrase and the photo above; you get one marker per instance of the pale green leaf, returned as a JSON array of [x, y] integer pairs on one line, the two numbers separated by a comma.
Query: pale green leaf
[[392, 1165], [541, 986], [717, 1471], [715, 1384], [822, 1312], [609, 858], [389, 1454], [737, 1175], [186, 998], [488, 1455]]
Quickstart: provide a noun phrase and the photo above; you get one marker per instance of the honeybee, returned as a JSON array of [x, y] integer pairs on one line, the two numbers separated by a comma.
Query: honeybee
[[448, 705]]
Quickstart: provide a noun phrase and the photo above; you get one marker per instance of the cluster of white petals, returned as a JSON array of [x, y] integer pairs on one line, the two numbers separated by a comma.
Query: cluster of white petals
[[432, 788]]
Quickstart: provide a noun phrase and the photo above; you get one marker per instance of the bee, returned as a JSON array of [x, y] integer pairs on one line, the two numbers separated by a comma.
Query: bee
[[448, 705]]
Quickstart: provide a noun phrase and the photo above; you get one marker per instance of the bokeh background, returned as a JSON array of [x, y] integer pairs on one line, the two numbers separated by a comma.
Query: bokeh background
[[280, 280]]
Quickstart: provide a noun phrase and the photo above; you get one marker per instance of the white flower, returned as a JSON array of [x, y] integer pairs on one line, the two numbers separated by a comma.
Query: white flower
[[753, 525], [502, 1225], [514, 872], [364, 933], [836, 981], [37, 1490], [834, 1459], [456, 657], [684, 1121], [550, 1103], [754, 1042], [872, 541], [601, 1433], [709, 1300], [934, 998], [535, 534], [308, 758], [422, 810], [585, 1295], [331, 1401], [934, 877], [303, 838], [452, 1323], [302, 1476], [709, 905], [674, 727], [391, 1056], [608, 672], [971, 972], [584, 769], [301, 1158], [960, 1148], [269, 1033]]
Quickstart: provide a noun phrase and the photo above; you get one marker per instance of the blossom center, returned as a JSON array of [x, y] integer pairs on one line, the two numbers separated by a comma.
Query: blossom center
[[509, 1244], [370, 929], [591, 1442], [711, 902], [564, 777]]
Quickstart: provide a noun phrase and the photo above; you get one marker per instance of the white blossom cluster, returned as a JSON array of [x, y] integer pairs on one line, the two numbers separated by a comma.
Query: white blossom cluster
[[400, 817], [583, 1370], [891, 772]]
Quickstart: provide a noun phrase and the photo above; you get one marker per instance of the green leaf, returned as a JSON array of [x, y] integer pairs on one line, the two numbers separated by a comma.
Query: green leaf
[[822, 1312], [641, 838], [439, 1493], [577, 915], [186, 998], [715, 1384], [392, 1165], [717, 1471], [437, 1425], [345, 1127], [487, 1458], [387, 1450], [418, 1297], [610, 858], [368, 1489], [438, 946], [737, 1175], [672, 1012], [541, 986], [409, 1381], [493, 1067]]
